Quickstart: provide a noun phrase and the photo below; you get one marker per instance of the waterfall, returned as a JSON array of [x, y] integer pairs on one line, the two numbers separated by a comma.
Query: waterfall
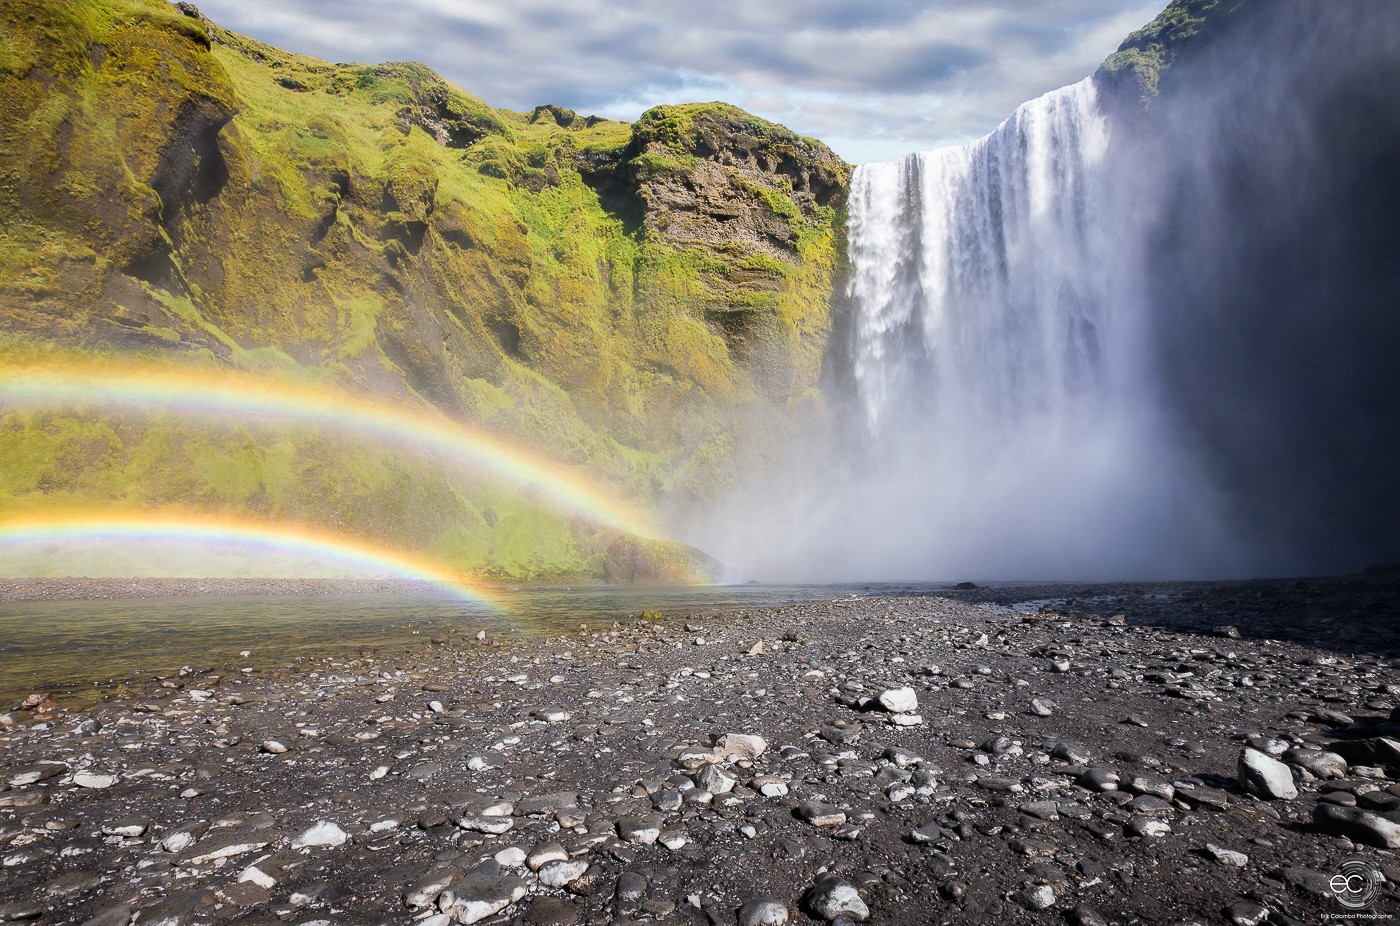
[[1113, 340], [983, 277], [999, 362]]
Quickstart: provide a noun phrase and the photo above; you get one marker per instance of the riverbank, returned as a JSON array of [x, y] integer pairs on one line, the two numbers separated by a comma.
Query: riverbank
[[112, 589], [987, 755]]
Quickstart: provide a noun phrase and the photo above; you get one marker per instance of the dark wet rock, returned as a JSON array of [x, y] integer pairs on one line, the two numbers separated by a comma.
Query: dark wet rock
[[631, 886], [819, 814], [1379, 752], [114, 915], [1085, 915], [1357, 825]]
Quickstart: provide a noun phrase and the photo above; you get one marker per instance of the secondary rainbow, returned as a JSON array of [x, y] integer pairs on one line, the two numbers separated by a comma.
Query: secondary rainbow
[[369, 560], [213, 393]]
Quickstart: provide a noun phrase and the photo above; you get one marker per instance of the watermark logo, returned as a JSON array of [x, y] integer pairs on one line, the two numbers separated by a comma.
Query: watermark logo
[[1356, 884]]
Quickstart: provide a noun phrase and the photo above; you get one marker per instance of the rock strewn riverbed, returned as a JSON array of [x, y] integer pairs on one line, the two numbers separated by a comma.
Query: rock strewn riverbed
[[1133, 754]]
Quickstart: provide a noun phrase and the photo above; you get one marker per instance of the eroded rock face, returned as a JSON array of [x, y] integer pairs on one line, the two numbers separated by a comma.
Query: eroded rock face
[[760, 202]]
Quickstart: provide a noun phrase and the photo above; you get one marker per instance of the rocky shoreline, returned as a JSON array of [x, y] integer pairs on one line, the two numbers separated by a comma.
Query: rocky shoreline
[[1164, 754]]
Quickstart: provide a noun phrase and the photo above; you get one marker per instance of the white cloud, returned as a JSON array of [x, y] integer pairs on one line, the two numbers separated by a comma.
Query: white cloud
[[873, 80]]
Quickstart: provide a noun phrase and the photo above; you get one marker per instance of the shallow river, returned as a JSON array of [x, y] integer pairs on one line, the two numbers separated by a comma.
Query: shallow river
[[72, 646]]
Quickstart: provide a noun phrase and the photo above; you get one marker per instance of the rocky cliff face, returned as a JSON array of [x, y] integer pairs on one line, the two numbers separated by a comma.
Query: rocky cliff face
[[620, 297]]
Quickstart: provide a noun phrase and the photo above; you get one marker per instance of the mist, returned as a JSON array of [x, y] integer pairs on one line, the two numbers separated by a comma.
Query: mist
[[1108, 342]]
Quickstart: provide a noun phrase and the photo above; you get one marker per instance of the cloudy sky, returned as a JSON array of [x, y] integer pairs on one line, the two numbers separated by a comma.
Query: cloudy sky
[[874, 79]]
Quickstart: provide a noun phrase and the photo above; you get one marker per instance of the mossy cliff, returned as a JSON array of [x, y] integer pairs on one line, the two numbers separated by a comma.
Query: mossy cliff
[[1134, 72], [620, 298]]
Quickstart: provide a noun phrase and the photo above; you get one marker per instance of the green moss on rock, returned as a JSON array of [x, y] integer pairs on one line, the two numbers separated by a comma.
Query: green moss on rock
[[621, 298], [1135, 70]]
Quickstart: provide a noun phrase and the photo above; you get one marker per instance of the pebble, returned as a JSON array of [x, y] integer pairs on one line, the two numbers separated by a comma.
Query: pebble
[[741, 745], [631, 886], [93, 780], [323, 834], [557, 874], [831, 897], [1039, 897], [543, 854], [899, 700], [764, 911], [1226, 856], [819, 814], [1247, 913], [512, 857], [675, 798], [1147, 827], [640, 830], [482, 892]]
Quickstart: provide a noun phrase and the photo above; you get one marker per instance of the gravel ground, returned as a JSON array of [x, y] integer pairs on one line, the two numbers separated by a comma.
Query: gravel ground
[[1203, 753]]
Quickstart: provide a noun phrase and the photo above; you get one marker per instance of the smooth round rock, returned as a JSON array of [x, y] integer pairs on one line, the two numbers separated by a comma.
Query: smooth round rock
[[764, 911]]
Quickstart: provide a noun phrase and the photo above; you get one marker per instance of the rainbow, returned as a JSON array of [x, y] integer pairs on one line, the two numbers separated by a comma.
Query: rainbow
[[371, 560], [216, 393]]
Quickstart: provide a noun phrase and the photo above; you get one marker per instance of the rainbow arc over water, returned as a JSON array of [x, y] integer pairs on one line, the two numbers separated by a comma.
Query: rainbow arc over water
[[219, 394], [367, 558]]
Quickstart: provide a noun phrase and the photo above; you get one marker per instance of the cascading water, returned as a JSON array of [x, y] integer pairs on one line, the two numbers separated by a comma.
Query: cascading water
[[1119, 337], [983, 278], [998, 358]]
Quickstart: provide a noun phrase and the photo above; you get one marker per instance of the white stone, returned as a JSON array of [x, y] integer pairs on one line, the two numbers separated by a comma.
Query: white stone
[[468, 910], [323, 834], [715, 780], [542, 855], [899, 700], [178, 841], [513, 857], [94, 780], [765, 911], [1266, 776], [491, 825], [257, 876], [560, 873], [742, 745], [1227, 856]]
